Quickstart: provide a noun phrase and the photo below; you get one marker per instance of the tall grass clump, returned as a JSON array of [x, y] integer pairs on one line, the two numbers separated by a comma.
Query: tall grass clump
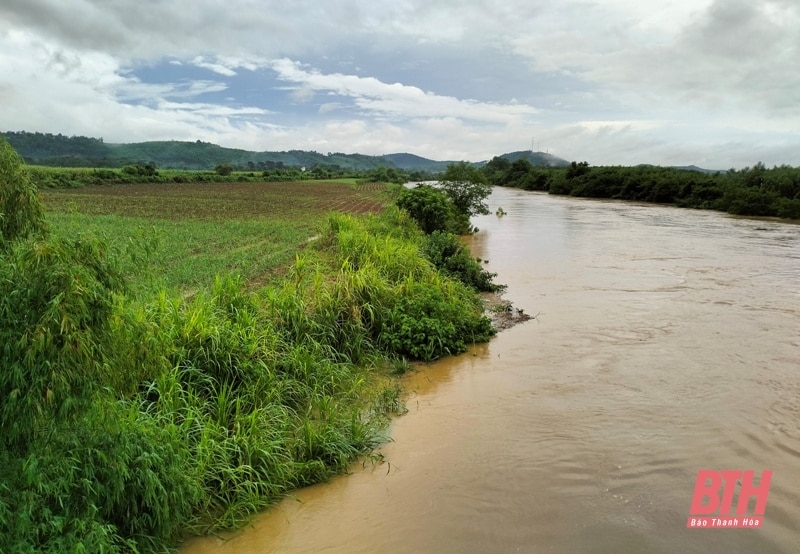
[[21, 212], [422, 313], [56, 300], [84, 472]]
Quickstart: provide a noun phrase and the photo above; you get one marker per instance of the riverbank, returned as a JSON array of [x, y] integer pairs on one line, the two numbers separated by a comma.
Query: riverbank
[[135, 414], [756, 191]]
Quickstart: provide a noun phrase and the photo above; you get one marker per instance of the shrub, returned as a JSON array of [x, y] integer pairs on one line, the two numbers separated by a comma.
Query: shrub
[[223, 169], [430, 208], [428, 323], [789, 208], [746, 201], [452, 258]]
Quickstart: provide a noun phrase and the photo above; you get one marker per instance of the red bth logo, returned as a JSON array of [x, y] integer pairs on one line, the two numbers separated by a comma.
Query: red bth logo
[[714, 492]]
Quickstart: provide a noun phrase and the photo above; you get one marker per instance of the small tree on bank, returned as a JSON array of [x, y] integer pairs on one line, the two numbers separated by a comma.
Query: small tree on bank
[[430, 208], [460, 193], [467, 188]]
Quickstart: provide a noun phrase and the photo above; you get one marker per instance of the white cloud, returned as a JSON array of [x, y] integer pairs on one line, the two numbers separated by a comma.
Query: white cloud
[[328, 107], [727, 53], [55, 89], [199, 61], [134, 90], [209, 110], [395, 99]]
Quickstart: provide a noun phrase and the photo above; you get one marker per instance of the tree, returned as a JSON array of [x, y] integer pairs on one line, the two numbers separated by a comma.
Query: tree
[[467, 187], [576, 169], [21, 212], [517, 174], [224, 169], [495, 169]]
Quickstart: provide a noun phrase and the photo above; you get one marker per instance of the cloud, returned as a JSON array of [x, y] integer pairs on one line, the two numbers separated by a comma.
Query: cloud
[[328, 107], [55, 89], [199, 61], [713, 54], [135, 90], [611, 81], [395, 100]]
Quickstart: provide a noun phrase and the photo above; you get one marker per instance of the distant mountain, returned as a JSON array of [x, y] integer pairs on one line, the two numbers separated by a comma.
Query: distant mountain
[[412, 162], [204, 155], [686, 168], [61, 150], [536, 159], [57, 149], [700, 169]]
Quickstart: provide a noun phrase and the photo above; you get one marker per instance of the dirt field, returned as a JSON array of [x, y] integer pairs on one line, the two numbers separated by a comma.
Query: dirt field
[[220, 200]]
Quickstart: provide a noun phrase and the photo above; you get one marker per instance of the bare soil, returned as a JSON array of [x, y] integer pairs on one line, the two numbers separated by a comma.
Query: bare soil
[[221, 200]]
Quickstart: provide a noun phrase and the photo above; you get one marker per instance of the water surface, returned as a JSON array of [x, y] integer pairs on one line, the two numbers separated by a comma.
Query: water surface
[[665, 341]]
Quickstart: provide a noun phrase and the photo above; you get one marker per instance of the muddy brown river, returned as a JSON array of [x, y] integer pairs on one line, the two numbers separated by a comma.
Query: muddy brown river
[[665, 341]]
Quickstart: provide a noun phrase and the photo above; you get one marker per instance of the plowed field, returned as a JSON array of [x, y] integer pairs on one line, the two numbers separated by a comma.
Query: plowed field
[[192, 232], [220, 200]]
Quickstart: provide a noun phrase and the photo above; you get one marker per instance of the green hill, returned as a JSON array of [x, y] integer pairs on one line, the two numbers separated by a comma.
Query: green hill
[[60, 150], [63, 151], [536, 159], [412, 162]]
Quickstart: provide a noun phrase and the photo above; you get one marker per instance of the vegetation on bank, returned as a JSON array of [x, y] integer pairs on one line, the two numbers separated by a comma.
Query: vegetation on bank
[[460, 193], [79, 177], [129, 420], [755, 191]]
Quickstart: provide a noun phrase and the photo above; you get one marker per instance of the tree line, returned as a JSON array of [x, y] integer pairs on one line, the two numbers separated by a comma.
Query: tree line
[[757, 190]]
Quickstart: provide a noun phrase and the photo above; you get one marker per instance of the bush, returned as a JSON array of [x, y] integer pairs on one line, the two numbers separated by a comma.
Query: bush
[[430, 208], [452, 258], [789, 209], [559, 184], [119, 482], [223, 169], [428, 323], [747, 201]]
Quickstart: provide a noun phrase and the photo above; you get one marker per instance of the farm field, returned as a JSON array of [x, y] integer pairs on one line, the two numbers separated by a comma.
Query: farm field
[[190, 232]]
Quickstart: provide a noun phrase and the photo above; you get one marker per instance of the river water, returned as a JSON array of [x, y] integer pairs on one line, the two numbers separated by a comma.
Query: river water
[[665, 341]]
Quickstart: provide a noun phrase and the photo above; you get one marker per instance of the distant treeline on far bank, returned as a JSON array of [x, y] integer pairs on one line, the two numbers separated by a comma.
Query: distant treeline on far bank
[[756, 190]]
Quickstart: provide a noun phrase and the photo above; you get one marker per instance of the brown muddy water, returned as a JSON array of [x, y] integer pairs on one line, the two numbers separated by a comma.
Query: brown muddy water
[[666, 341]]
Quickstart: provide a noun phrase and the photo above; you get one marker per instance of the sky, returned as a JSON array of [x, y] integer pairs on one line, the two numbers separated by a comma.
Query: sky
[[713, 83]]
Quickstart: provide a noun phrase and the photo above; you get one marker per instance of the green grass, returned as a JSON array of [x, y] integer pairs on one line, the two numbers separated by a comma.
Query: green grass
[[179, 236], [186, 255]]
